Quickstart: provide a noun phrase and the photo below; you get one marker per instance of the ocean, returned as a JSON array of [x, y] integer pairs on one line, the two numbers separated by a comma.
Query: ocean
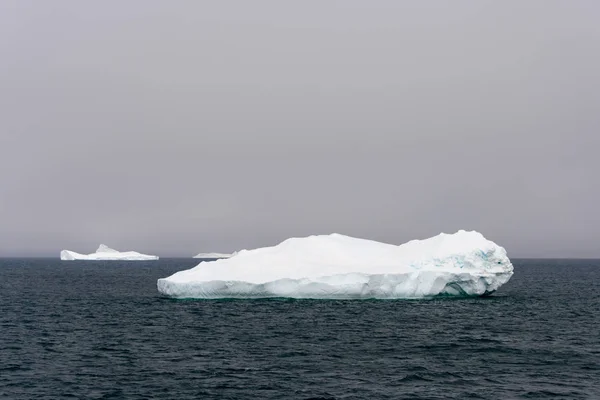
[[100, 330]]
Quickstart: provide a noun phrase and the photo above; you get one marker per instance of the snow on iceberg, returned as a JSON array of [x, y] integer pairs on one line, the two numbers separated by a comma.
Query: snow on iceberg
[[106, 253], [341, 267], [207, 256]]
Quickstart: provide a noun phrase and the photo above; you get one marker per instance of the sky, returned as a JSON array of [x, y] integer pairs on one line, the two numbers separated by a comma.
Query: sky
[[174, 128]]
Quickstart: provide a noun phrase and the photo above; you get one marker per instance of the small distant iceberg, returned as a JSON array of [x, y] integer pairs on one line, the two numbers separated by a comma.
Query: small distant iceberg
[[213, 256], [106, 253]]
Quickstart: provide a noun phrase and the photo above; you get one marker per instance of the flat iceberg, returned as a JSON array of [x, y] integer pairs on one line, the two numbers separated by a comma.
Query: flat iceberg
[[106, 253], [342, 267], [214, 255]]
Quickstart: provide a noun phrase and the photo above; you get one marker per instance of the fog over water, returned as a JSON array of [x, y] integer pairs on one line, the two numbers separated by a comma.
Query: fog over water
[[175, 128]]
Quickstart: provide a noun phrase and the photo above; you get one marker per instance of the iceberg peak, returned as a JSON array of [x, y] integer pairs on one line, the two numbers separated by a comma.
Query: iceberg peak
[[105, 249]]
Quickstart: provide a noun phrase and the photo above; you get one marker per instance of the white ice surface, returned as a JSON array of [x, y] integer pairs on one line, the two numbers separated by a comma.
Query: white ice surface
[[341, 267], [214, 255], [106, 253]]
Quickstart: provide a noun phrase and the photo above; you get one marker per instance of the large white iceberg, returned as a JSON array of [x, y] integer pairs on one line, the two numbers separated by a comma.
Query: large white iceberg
[[341, 267], [214, 255], [106, 253]]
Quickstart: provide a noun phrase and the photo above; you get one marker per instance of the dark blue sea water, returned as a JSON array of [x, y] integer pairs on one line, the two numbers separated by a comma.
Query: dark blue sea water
[[100, 330]]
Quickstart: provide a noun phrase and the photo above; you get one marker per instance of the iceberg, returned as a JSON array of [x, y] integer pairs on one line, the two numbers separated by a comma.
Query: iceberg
[[106, 253], [342, 267], [214, 255]]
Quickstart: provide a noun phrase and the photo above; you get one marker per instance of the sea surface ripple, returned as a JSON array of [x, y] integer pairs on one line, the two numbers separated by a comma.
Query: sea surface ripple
[[100, 330]]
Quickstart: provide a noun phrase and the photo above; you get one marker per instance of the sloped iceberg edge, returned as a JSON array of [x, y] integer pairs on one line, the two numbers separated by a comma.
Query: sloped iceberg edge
[[389, 286], [341, 267]]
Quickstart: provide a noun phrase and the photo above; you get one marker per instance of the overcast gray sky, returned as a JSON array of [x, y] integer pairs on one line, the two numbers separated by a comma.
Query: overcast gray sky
[[175, 127]]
